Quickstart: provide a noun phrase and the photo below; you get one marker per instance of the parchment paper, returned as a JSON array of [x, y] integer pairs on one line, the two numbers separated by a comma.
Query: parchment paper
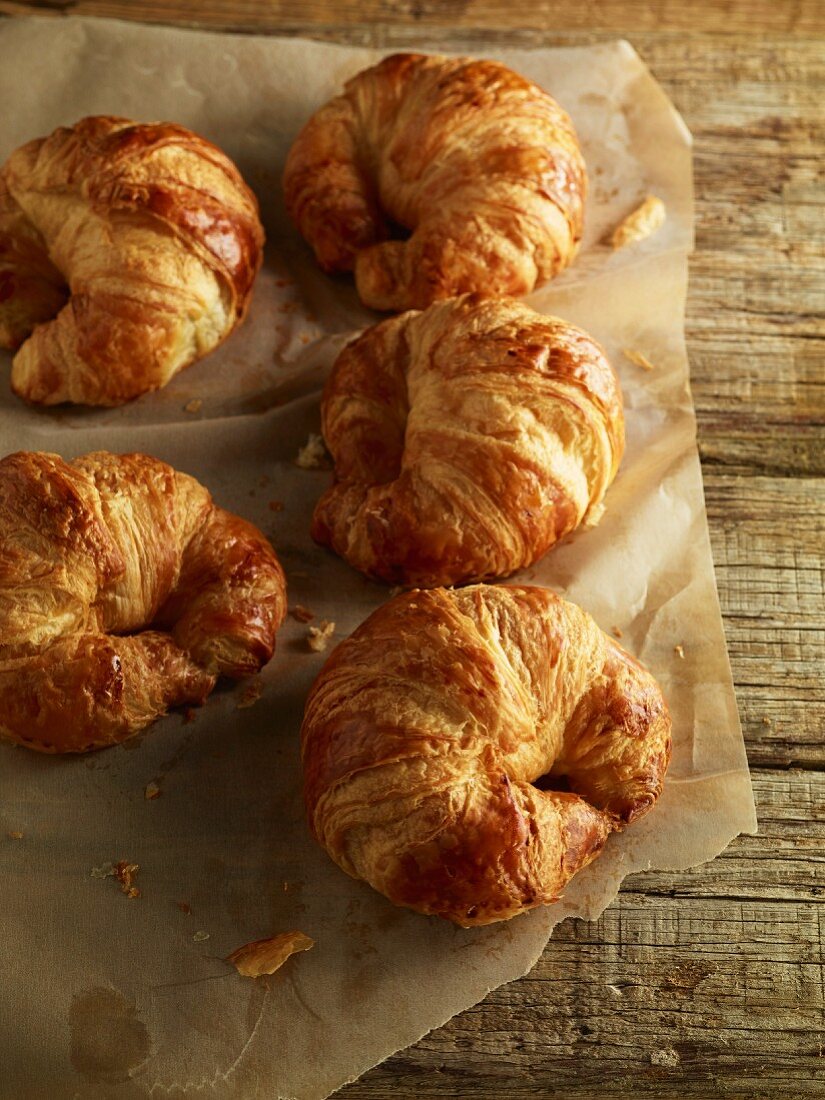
[[101, 996]]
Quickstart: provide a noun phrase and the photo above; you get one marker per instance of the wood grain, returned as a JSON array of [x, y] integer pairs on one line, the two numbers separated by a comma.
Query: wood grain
[[702, 983]]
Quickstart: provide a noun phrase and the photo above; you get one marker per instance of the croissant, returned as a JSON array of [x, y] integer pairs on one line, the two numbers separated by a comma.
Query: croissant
[[480, 165], [467, 439], [466, 752], [124, 591], [127, 251]]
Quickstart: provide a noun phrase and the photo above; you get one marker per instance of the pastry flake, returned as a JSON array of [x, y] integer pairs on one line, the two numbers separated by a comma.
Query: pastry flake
[[266, 956], [641, 223]]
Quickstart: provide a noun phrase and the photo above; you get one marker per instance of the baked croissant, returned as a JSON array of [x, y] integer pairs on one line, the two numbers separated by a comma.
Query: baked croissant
[[480, 164], [127, 251], [466, 752], [123, 591], [467, 439]]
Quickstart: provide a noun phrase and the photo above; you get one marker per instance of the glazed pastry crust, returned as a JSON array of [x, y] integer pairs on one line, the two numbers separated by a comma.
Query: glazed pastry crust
[[467, 440], [432, 734], [127, 251], [94, 552], [481, 165]]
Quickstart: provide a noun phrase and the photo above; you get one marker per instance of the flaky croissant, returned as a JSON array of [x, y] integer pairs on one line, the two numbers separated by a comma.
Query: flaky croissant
[[127, 251], [480, 164], [467, 440], [435, 735], [124, 591]]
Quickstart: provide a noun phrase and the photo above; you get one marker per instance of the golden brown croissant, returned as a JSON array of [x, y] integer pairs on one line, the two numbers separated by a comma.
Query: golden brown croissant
[[127, 251], [432, 734], [480, 164], [467, 439], [93, 552]]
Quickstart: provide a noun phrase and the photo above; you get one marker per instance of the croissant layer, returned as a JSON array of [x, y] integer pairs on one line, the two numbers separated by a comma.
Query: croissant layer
[[466, 752], [124, 590], [480, 165], [127, 251]]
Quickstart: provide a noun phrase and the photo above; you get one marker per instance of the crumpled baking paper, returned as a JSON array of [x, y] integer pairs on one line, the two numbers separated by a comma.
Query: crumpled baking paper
[[103, 996]]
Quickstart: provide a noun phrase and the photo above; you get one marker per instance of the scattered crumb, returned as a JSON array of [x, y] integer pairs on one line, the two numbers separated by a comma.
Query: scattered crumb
[[286, 887], [313, 455], [319, 636], [614, 989], [766, 722], [276, 506], [644, 221], [301, 614], [103, 871], [15, 834], [184, 907], [266, 956], [617, 631], [668, 1058], [151, 791], [189, 715], [200, 937], [193, 406], [250, 694], [679, 650], [638, 359], [125, 874]]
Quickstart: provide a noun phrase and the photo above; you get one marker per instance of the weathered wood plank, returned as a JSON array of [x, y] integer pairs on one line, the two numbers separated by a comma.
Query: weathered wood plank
[[725, 995], [725, 17]]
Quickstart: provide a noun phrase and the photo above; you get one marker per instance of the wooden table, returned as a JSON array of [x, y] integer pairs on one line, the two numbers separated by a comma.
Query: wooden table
[[703, 983]]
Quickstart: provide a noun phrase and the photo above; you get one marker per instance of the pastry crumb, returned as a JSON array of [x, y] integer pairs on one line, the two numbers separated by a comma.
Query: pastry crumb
[[638, 359], [667, 1058], [594, 514], [184, 907], [250, 694], [151, 791], [767, 722], [200, 937], [313, 455], [266, 956], [125, 873], [617, 631], [641, 223], [614, 989], [301, 614], [15, 834], [276, 506], [319, 636], [193, 406], [679, 650]]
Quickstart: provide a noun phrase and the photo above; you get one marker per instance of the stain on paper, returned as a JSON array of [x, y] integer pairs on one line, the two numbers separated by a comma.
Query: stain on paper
[[109, 1042]]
